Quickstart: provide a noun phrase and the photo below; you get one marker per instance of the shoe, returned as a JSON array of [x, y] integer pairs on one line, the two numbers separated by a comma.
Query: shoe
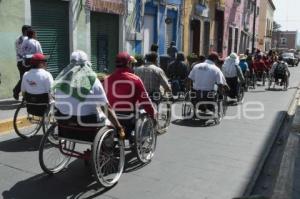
[[16, 96]]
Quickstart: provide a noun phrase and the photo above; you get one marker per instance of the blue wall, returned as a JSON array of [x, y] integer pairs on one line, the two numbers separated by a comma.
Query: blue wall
[[160, 26]]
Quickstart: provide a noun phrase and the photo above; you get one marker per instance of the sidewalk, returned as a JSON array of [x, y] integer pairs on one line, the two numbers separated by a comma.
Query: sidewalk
[[7, 111]]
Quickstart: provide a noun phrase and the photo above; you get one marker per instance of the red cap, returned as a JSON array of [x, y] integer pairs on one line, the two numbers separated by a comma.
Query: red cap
[[122, 59], [38, 57]]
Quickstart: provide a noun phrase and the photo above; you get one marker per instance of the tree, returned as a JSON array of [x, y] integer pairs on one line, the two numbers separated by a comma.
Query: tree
[[276, 26]]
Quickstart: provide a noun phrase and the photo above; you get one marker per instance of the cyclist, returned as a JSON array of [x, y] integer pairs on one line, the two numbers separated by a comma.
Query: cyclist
[[203, 77], [233, 74], [178, 73], [78, 93], [280, 70], [126, 92], [152, 76]]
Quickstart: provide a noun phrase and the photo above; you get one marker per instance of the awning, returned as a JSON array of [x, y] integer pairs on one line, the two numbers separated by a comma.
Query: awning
[[107, 6]]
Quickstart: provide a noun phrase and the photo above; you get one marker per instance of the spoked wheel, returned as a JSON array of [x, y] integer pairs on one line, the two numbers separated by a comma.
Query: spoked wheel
[[49, 118], [25, 124], [164, 115], [108, 157], [241, 95], [186, 110], [51, 159], [145, 139], [264, 76]]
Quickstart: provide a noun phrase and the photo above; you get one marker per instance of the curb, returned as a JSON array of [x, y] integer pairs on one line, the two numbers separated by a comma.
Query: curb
[[261, 162], [283, 188], [7, 125]]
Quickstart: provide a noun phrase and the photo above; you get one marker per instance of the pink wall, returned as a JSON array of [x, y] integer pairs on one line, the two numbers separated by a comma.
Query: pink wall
[[234, 16]]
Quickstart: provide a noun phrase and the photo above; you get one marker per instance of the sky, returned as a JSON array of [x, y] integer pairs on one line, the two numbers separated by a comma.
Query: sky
[[287, 14]]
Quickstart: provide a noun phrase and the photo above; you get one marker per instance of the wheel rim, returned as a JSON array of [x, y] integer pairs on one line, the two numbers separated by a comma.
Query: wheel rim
[[146, 141], [109, 159], [28, 125], [51, 158], [164, 116]]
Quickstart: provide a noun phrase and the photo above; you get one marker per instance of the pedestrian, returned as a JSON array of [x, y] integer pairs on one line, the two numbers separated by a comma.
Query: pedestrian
[[154, 48], [172, 51], [21, 68], [31, 45]]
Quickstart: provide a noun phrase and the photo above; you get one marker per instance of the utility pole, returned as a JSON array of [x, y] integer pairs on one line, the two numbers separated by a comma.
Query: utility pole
[[254, 26]]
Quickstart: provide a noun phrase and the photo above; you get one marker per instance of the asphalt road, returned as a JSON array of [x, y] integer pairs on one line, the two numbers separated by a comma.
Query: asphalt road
[[191, 161]]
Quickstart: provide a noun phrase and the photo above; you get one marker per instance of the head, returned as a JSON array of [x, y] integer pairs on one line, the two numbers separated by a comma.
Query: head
[[39, 60], [140, 60], [152, 58], [123, 60], [214, 57], [180, 56], [79, 57], [280, 58], [243, 57], [132, 62], [24, 29], [233, 56], [31, 33], [172, 43], [201, 58], [154, 47]]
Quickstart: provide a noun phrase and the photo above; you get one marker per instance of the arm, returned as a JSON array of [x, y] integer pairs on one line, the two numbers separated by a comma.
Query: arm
[[143, 98], [113, 118], [164, 81]]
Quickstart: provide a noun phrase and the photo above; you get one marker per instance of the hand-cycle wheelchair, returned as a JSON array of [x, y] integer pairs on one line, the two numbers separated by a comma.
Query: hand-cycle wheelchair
[[34, 112], [197, 102], [279, 79], [106, 150]]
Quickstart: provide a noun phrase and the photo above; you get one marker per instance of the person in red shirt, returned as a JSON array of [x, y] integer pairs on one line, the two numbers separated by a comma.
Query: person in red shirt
[[126, 92], [259, 65]]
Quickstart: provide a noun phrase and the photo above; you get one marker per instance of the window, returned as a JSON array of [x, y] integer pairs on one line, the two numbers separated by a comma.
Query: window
[[283, 41], [257, 11]]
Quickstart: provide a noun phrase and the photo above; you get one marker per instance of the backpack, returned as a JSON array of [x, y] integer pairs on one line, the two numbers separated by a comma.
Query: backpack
[[280, 69]]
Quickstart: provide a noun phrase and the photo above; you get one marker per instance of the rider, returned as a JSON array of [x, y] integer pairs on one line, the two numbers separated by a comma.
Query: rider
[[37, 81], [178, 73], [152, 76], [259, 65], [244, 64], [233, 74], [280, 70], [204, 76], [125, 91], [79, 93]]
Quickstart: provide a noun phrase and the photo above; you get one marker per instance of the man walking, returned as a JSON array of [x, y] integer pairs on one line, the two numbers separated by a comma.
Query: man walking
[[19, 55]]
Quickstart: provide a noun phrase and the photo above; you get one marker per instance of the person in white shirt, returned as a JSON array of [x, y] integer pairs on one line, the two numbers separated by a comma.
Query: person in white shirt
[[78, 93], [19, 56], [37, 80], [31, 45], [233, 74], [280, 70], [204, 77]]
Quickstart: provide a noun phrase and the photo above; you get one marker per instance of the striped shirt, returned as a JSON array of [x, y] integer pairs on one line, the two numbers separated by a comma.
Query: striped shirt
[[153, 77]]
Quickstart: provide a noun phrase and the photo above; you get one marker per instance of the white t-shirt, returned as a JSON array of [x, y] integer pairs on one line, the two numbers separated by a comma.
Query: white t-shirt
[[206, 75], [37, 81], [30, 47], [18, 45], [69, 105]]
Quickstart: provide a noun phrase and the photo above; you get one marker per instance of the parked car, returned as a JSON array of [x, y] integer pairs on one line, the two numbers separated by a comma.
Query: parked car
[[290, 58]]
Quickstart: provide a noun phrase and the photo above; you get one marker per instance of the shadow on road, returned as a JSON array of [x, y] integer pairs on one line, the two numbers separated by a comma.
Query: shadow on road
[[76, 182], [193, 123], [21, 145], [9, 104], [132, 163]]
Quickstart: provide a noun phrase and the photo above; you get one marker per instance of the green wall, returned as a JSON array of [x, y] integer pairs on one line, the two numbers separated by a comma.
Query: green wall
[[12, 17]]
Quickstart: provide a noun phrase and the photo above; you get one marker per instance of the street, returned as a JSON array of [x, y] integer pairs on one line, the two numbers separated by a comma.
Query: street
[[192, 162]]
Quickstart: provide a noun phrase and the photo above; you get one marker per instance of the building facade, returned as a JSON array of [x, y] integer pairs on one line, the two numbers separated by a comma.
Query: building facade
[[266, 19], [98, 27], [219, 25], [161, 24], [284, 40]]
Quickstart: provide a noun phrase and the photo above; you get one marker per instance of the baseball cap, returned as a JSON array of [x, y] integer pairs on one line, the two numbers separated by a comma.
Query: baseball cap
[[39, 57], [122, 59]]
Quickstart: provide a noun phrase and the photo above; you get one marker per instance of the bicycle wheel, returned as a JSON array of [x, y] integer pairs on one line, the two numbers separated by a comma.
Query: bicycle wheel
[[145, 139], [49, 118], [164, 115], [25, 124], [108, 157], [50, 156]]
